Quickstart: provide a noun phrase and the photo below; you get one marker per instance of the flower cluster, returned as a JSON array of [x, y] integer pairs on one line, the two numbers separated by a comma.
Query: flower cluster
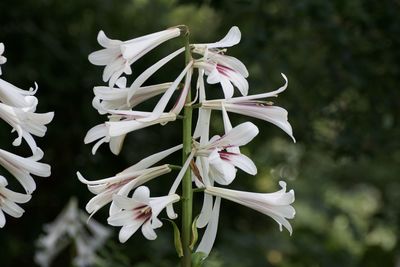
[[71, 227], [17, 108], [211, 160]]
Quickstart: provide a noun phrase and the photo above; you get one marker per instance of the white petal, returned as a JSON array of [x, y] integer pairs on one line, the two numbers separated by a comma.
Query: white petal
[[210, 234], [206, 211], [128, 230], [232, 38], [243, 162], [148, 231]]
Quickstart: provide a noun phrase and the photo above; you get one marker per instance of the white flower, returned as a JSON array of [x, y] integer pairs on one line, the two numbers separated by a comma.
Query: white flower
[[220, 68], [252, 106], [3, 59], [16, 97], [8, 200], [121, 123], [118, 56], [71, 226], [22, 168], [222, 162], [276, 205], [123, 182], [139, 211], [109, 98], [25, 123]]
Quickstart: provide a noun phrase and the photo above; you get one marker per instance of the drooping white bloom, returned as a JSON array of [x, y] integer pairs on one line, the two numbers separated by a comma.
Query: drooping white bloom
[[252, 106], [22, 168], [8, 200], [276, 205], [121, 123], [25, 123], [16, 97], [221, 162], [220, 68], [3, 59], [118, 56], [71, 226], [109, 98], [139, 211], [123, 182]]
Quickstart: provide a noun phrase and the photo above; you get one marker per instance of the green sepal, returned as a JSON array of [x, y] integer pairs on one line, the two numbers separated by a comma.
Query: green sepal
[[195, 234], [177, 239], [198, 259]]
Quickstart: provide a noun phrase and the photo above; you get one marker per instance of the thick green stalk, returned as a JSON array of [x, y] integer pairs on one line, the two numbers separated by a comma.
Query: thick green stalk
[[187, 193]]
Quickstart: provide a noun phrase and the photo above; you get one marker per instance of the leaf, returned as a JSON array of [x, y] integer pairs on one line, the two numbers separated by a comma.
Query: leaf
[[198, 259], [177, 239], [195, 234]]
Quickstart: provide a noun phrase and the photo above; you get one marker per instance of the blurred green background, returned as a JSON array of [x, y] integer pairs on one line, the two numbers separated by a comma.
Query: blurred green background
[[342, 61]]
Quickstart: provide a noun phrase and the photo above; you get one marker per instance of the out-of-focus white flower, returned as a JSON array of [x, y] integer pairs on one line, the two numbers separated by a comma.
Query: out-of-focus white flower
[[220, 68], [8, 200], [118, 56], [254, 107], [22, 168], [3, 59], [123, 182], [139, 211], [71, 226], [221, 162], [25, 123]]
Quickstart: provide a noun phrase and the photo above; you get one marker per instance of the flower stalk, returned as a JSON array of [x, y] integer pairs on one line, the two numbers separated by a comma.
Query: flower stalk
[[187, 193]]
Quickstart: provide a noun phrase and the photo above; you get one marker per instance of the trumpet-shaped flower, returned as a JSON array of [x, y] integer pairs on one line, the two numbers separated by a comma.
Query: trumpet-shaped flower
[[222, 162], [276, 205], [3, 59], [109, 98], [123, 182], [118, 56], [26, 123], [139, 211], [16, 97], [252, 106], [8, 200], [220, 68], [22, 168], [121, 123]]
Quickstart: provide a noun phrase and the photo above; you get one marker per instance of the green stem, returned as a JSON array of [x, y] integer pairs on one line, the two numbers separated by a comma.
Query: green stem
[[187, 193]]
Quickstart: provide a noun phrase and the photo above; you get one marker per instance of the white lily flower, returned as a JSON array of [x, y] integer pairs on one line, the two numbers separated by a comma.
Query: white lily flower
[[139, 211], [108, 98], [252, 106], [25, 123], [222, 162], [121, 123], [3, 59], [123, 182], [8, 200], [276, 205], [220, 68], [118, 56], [16, 97], [22, 168]]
